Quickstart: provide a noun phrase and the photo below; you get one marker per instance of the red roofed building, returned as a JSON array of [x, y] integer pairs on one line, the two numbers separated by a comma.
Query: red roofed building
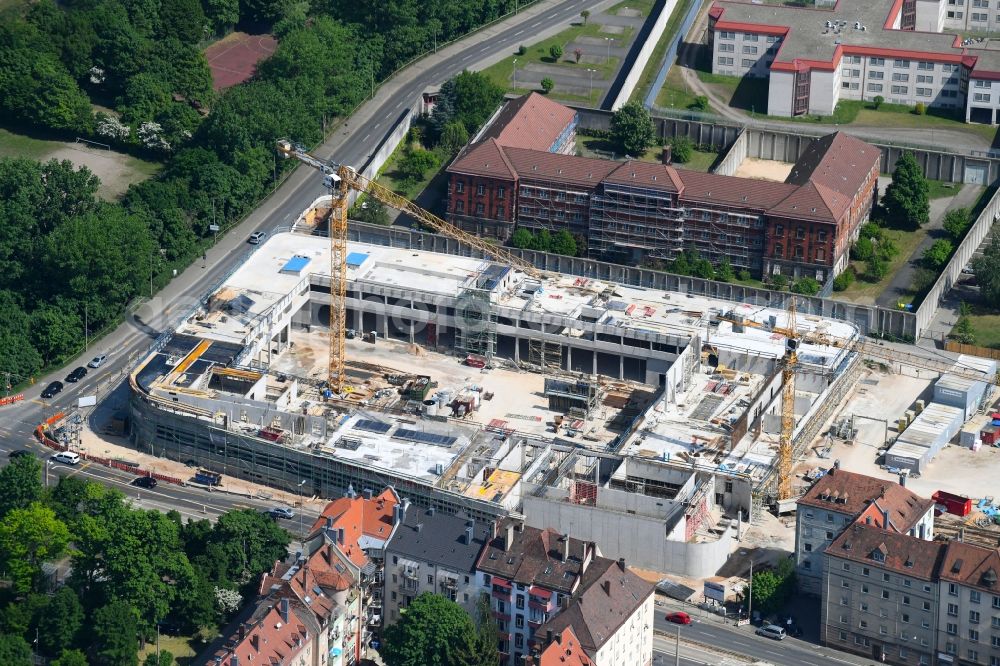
[[518, 175], [562, 649]]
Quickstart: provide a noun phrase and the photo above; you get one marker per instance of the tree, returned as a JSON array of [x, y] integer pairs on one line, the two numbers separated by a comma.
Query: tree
[[807, 286], [585, 14], [987, 270], [116, 634], [522, 238], [246, 543], [28, 538], [963, 332], [433, 630], [577, 54], [877, 268], [937, 255], [877, 101], [779, 282], [474, 98], [906, 200], [15, 651], [542, 241], [956, 222], [59, 625], [556, 52], [773, 588], [70, 658], [222, 14], [632, 128], [165, 658], [56, 331], [724, 272], [372, 211], [919, 108], [681, 149], [454, 136], [564, 243], [20, 484], [700, 103], [844, 280], [863, 249], [416, 163], [547, 85], [489, 634]]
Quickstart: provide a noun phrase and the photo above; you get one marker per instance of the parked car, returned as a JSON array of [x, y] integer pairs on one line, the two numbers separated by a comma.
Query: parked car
[[77, 374], [20, 453], [282, 512], [771, 631], [257, 237], [67, 457], [144, 482], [52, 389], [98, 361], [680, 617]]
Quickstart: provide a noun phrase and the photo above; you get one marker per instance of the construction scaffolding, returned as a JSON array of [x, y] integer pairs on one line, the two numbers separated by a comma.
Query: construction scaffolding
[[545, 355], [476, 322]]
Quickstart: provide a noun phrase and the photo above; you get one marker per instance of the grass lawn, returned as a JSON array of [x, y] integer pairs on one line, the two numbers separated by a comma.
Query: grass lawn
[[700, 161], [644, 6], [655, 60], [502, 73], [19, 145], [986, 326], [743, 93], [589, 146], [938, 189], [182, 647], [675, 94], [391, 178], [863, 291]]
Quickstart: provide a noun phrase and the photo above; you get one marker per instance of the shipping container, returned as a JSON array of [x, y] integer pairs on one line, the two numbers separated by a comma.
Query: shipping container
[[959, 505]]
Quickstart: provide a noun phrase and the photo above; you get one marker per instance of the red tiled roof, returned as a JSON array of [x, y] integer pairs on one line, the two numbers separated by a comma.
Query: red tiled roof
[[849, 493], [569, 169], [972, 565], [485, 158], [531, 121], [901, 553], [535, 557], [634, 172], [271, 639], [838, 164], [564, 650], [732, 190], [357, 516], [811, 201]]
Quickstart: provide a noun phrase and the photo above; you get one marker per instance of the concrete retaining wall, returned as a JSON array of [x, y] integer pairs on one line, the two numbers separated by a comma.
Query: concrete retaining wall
[[734, 156], [662, 11]]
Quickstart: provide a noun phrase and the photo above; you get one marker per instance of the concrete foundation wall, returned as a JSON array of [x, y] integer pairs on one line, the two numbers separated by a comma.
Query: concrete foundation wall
[[734, 156], [662, 11]]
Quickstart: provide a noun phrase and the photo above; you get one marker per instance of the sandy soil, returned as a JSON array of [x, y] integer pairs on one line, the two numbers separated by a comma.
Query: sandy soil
[[764, 169], [115, 170]]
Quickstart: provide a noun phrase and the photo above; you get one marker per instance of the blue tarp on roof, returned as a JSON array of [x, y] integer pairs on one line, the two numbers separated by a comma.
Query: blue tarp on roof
[[355, 259], [295, 264]]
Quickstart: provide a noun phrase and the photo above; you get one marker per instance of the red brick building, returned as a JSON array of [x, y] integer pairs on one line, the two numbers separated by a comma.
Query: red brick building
[[633, 211]]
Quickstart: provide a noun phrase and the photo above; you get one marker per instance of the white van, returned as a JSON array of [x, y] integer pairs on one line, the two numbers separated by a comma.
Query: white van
[[67, 457]]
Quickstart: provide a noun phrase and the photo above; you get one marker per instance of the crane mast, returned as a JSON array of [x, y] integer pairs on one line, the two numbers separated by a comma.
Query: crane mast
[[340, 180], [785, 450]]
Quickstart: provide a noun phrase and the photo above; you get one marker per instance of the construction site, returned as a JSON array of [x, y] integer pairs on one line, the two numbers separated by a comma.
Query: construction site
[[657, 424]]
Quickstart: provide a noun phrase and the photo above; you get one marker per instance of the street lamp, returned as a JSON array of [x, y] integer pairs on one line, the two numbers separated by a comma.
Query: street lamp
[[590, 96], [515, 74], [609, 40], [48, 466], [302, 504]]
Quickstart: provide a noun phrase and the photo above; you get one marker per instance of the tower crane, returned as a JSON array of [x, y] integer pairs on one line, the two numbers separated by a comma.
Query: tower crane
[[859, 346], [340, 180]]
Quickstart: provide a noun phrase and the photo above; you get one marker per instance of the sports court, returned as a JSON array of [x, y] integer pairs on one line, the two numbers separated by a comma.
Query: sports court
[[233, 59]]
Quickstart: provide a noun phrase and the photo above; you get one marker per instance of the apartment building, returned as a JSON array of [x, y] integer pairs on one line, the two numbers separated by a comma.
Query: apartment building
[[859, 50], [840, 498], [969, 605], [530, 574], [633, 211], [435, 552], [880, 595], [612, 616], [562, 649]]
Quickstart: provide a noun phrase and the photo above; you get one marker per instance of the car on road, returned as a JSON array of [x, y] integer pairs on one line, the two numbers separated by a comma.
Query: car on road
[[771, 631], [20, 453], [680, 617], [52, 389], [77, 375], [144, 482], [257, 237], [98, 361], [282, 512], [67, 457]]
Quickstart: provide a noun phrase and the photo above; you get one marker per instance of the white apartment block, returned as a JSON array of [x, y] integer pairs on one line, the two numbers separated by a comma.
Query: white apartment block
[[857, 50]]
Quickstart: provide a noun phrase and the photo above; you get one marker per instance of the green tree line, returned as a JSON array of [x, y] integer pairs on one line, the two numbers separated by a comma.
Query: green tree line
[[130, 569]]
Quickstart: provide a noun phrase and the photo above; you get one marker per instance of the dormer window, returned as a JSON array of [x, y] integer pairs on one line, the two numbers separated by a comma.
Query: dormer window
[[878, 556]]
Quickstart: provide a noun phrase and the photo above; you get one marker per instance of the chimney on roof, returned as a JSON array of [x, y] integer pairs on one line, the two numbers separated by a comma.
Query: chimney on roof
[[283, 610], [902, 479], [589, 549], [607, 587], [234, 661], [298, 556], [885, 519], [565, 547], [329, 522], [961, 534], [467, 539], [340, 536], [430, 511], [242, 631], [508, 540], [255, 642], [836, 464], [350, 494], [548, 636], [621, 563], [397, 514], [419, 527], [367, 493]]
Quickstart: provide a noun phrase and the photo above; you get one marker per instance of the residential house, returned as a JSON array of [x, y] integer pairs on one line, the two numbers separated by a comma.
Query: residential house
[[560, 649]]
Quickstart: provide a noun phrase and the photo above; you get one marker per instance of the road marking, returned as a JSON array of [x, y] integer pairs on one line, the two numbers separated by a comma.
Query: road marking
[[366, 136], [518, 33]]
